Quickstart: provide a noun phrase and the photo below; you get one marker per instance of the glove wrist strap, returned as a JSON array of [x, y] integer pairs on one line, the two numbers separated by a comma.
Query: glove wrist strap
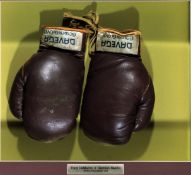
[[127, 42], [63, 38]]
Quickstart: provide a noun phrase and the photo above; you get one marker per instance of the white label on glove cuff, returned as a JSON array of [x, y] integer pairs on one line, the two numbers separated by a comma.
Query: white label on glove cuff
[[111, 42], [63, 39]]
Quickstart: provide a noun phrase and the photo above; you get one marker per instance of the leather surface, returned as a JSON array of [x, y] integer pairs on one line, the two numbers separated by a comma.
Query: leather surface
[[118, 98], [46, 93]]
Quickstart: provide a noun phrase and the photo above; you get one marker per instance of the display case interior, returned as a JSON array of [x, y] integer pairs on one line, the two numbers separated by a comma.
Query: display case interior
[[165, 54]]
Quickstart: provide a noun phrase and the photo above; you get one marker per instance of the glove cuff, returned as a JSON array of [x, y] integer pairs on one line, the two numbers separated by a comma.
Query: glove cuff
[[63, 38], [126, 42]]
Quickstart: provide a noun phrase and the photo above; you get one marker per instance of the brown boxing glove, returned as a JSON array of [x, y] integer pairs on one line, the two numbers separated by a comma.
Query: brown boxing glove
[[47, 89], [119, 94]]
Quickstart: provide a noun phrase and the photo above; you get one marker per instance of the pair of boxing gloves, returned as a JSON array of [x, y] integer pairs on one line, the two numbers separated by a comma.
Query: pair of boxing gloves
[[118, 97]]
